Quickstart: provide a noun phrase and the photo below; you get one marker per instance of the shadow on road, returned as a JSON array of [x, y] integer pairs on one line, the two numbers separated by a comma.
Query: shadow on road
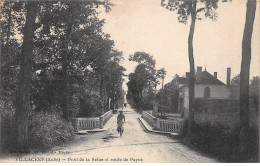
[[150, 143], [108, 137]]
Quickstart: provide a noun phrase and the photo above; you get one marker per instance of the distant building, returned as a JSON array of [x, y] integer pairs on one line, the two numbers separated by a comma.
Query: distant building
[[206, 86]]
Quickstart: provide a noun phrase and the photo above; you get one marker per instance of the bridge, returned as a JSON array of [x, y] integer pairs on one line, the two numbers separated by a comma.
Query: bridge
[[136, 145]]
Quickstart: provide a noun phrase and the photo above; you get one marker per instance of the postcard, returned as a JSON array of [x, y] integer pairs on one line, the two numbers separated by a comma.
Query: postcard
[[129, 81]]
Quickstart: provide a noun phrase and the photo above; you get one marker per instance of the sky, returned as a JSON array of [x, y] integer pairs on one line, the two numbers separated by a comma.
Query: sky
[[143, 25]]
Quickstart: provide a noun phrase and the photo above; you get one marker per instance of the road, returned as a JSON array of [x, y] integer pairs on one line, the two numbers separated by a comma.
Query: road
[[136, 145]]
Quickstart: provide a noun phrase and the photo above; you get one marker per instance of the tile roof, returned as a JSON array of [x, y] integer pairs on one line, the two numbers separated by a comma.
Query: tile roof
[[202, 78]]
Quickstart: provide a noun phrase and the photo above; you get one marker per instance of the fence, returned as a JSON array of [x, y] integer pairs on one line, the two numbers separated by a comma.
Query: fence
[[164, 125], [91, 123]]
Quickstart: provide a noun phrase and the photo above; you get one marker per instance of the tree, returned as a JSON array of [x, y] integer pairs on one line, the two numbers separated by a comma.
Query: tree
[[186, 9], [244, 76], [23, 95], [113, 80], [12, 13], [161, 74], [77, 39], [235, 80], [254, 87], [143, 58], [143, 79], [61, 50]]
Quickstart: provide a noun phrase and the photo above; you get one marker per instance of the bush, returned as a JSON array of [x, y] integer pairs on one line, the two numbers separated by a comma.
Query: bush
[[7, 127], [47, 130], [162, 108], [222, 142]]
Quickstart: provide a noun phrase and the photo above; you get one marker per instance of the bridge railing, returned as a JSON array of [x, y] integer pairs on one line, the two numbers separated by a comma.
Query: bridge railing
[[165, 125], [149, 118], [85, 123], [91, 123], [170, 125], [105, 117]]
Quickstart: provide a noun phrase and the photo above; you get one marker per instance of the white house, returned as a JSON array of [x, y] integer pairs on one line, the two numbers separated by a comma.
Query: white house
[[206, 86]]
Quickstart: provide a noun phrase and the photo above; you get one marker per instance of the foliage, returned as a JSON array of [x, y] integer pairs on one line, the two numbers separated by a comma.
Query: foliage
[[91, 52], [235, 80], [142, 82], [219, 141], [253, 87], [161, 74], [184, 7], [47, 130], [90, 105], [167, 98], [71, 54]]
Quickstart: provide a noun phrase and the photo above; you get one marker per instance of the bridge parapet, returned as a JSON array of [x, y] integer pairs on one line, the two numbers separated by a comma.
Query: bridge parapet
[[165, 125], [91, 123]]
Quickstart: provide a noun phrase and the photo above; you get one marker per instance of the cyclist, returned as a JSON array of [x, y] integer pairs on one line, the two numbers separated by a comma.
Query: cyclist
[[120, 122]]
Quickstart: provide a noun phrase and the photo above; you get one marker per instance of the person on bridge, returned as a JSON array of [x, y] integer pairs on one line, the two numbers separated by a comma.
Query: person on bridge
[[120, 122]]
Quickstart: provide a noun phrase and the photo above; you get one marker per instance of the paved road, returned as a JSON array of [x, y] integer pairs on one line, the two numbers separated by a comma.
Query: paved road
[[136, 145]]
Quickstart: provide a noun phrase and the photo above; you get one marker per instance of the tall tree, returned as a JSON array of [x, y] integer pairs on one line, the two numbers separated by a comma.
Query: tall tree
[[186, 9], [161, 74], [143, 78], [244, 75], [78, 37], [23, 95], [11, 14]]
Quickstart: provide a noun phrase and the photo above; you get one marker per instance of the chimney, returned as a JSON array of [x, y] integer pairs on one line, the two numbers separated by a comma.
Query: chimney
[[216, 74], [187, 74], [228, 75], [199, 69]]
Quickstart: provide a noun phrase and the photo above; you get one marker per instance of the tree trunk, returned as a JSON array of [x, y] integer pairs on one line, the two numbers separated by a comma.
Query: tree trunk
[[112, 103], [7, 52], [23, 95], [9, 24], [65, 79], [192, 68], [113, 92], [1, 103], [108, 103], [105, 99], [162, 81], [101, 91], [244, 75]]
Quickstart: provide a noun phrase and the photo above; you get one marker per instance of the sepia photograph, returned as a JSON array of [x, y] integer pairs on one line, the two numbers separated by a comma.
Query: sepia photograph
[[129, 81]]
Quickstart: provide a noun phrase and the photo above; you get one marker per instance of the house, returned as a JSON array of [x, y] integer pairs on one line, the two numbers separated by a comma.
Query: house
[[206, 86]]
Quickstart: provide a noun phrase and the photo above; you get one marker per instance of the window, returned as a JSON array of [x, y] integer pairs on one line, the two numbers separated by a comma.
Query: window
[[207, 92]]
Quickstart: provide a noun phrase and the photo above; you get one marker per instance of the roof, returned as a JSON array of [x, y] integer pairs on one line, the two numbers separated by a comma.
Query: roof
[[183, 80], [202, 78]]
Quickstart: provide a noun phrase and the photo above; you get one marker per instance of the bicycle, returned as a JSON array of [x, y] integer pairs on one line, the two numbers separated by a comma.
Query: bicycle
[[120, 123], [121, 130]]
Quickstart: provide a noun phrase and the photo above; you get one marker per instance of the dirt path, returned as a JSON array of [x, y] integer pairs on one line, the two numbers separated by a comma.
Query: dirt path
[[136, 145]]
